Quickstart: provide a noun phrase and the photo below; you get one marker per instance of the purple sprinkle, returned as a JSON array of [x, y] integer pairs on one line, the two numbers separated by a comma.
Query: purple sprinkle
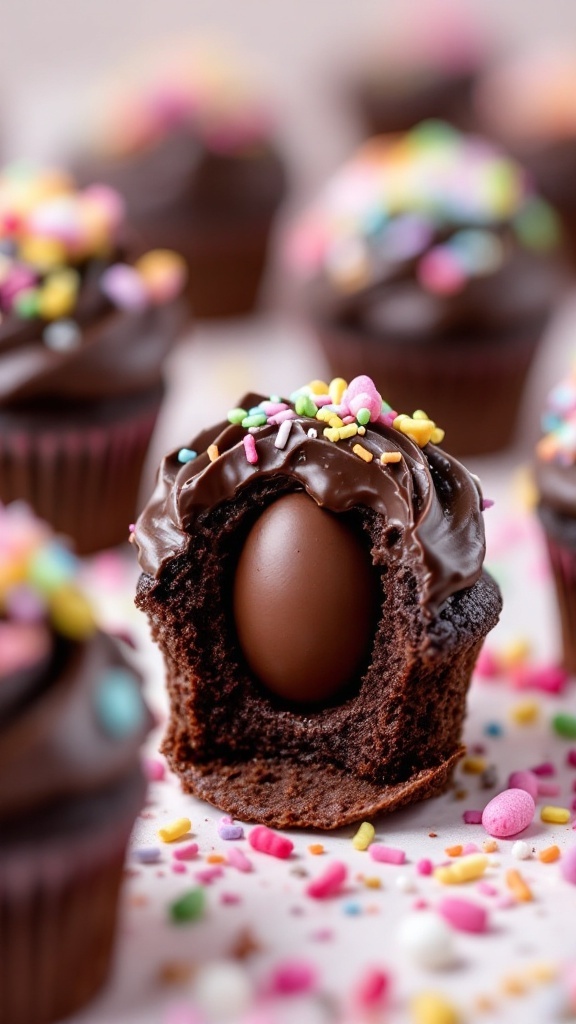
[[487, 503], [147, 854], [124, 287], [230, 831], [209, 875]]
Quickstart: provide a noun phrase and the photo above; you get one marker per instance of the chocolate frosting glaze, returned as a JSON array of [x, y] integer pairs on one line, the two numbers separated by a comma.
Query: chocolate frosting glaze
[[429, 496], [119, 352], [557, 485], [52, 747]]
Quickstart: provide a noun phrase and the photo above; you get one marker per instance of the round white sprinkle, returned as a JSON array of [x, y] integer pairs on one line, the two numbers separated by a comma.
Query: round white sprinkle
[[62, 335], [427, 939], [223, 990], [405, 884], [312, 433], [520, 850]]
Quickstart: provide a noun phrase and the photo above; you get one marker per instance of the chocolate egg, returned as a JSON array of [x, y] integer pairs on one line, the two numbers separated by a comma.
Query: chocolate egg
[[305, 600]]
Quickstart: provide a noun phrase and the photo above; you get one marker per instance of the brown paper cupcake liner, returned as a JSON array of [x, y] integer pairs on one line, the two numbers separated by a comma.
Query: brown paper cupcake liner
[[563, 563], [473, 391], [83, 479]]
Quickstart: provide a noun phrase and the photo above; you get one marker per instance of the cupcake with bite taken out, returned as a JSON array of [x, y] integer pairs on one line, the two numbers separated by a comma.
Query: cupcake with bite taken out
[[555, 471], [430, 262], [84, 332], [312, 573], [190, 144], [72, 720]]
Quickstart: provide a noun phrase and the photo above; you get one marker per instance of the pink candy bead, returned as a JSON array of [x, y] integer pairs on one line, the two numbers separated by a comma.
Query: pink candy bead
[[548, 789], [238, 859], [568, 866], [250, 449], [508, 813], [386, 854], [292, 978], [524, 780], [265, 840], [361, 393], [463, 915], [187, 852], [424, 866], [487, 664], [155, 770], [329, 883], [372, 990]]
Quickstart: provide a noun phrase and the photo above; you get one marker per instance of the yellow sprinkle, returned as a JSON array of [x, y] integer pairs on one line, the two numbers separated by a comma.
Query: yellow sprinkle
[[213, 452], [318, 387], [361, 431], [336, 389], [437, 435], [454, 851], [474, 765], [490, 846], [550, 854], [316, 849], [515, 653], [434, 1008], [331, 433], [335, 421], [71, 613], [555, 815], [518, 887], [419, 414], [366, 832], [57, 296], [419, 431], [372, 882], [542, 973], [175, 830], [390, 457], [526, 712], [44, 253], [325, 414], [362, 453], [466, 869], [350, 430]]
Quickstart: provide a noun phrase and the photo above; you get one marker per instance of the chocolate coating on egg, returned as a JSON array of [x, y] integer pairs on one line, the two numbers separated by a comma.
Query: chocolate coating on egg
[[305, 599]]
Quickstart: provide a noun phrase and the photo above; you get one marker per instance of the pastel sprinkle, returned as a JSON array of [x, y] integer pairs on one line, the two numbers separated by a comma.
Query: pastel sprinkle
[[386, 854], [549, 854], [521, 850], [463, 915], [119, 703], [465, 869], [329, 883], [568, 866], [433, 1008], [186, 455], [175, 830], [236, 416], [508, 813], [565, 725], [230, 831], [250, 449], [362, 453], [264, 840], [472, 817], [518, 887], [525, 780], [213, 452], [390, 457], [155, 769], [146, 854], [187, 852], [238, 859], [189, 907], [364, 836], [292, 977], [283, 434], [555, 815]]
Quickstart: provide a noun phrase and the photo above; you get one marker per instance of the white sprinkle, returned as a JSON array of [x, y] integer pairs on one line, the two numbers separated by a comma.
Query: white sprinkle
[[283, 434], [405, 884], [62, 335], [313, 433], [222, 990], [520, 850], [427, 939]]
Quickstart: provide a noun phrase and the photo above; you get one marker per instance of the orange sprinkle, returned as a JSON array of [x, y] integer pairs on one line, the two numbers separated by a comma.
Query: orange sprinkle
[[316, 848], [512, 985], [372, 882], [362, 453], [548, 855], [387, 457], [484, 1004], [215, 858], [213, 452], [474, 765], [489, 846], [454, 851], [518, 887]]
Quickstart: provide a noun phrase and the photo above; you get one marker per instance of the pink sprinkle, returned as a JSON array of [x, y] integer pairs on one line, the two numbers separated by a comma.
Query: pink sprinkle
[[208, 875], [469, 848], [548, 678], [439, 272], [386, 854], [373, 989], [424, 866], [187, 852], [178, 867], [265, 840], [524, 780], [238, 859], [362, 393], [568, 866], [181, 1014], [273, 408], [548, 789], [124, 287], [155, 770], [322, 400], [486, 889], [293, 977], [487, 503], [329, 883], [288, 414], [573, 807], [230, 899], [547, 768], [472, 817], [250, 449], [463, 915], [505, 903], [571, 757], [419, 904], [348, 419], [487, 664]]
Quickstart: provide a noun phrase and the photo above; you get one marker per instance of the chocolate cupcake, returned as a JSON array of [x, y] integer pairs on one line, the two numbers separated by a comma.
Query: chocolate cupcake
[[192, 152], [527, 103], [71, 723], [429, 262], [83, 336], [555, 471], [312, 572]]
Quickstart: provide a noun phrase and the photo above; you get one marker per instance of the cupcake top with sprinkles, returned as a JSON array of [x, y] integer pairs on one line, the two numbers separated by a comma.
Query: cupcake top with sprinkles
[[558, 443], [72, 308], [435, 208], [346, 448], [67, 695]]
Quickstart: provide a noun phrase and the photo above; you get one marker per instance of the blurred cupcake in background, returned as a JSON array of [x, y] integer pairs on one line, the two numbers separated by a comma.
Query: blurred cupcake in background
[[188, 139], [428, 263], [528, 103], [423, 63], [555, 471], [84, 332], [72, 721]]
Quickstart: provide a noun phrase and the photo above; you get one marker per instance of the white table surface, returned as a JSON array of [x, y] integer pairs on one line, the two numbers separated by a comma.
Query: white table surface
[[158, 963]]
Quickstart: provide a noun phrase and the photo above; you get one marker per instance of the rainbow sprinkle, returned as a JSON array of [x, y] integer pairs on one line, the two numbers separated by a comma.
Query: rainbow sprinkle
[[559, 424]]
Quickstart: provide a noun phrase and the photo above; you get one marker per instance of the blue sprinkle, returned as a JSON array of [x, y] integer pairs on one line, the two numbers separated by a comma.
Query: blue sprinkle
[[352, 909], [52, 566], [119, 704], [186, 455], [493, 729], [147, 854]]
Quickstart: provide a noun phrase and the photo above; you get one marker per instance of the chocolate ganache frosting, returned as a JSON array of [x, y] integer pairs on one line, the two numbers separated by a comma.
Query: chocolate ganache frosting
[[555, 465], [427, 496], [78, 322]]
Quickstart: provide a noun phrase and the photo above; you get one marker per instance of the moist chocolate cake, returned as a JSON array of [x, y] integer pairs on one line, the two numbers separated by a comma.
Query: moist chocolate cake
[[312, 572]]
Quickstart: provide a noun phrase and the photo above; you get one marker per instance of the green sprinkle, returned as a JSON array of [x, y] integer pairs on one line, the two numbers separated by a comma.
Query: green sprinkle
[[258, 419], [26, 303], [537, 225], [236, 415], [189, 907], [565, 725], [363, 417], [305, 406]]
